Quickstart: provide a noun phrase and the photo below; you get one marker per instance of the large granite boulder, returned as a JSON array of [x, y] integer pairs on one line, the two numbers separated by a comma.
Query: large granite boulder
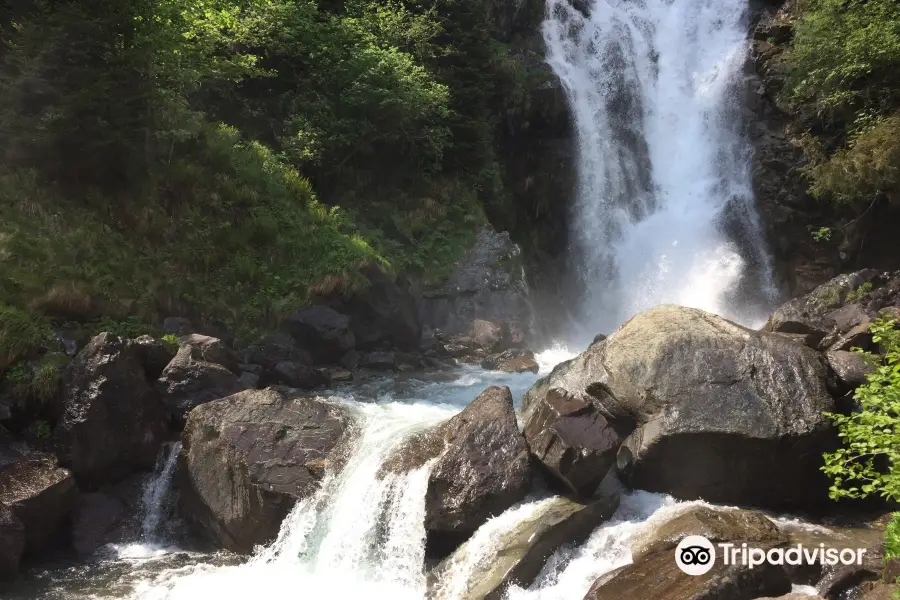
[[512, 361], [212, 350], [656, 576], [113, 423], [574, 440], [277, 347], [36, 497], [188, 382], [482, 466], [324, 331], [715, 524], [248, 458], [516, 556], [486, 284], [722, 412]]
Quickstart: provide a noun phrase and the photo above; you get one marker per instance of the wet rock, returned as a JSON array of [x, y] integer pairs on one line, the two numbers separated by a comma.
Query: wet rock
[[295, 375], [850, 368], [323, 330], [154, 354], [573, 440], [113, 423], [488, 335], [12, 543], [248, 458], [857, 337], [813, 313], [876, 590], [40, 495], [95, 517], [723, 413], [512, 361], [657, 576], [212, 350], [715, 524], [482, 466], [188, 382], [519, 554], [485, 284], [350, 360], [275, 348]]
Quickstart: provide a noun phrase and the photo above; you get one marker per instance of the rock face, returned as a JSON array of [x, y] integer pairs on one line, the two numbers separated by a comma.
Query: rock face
[[722, 413], [293, 374], [574, 440], [384, 315], [12, 543], [323, 330], [212, 350], [95, 515], [483, 470], [277, 347], [154, 354], [484, 285], [113, 422], [248, 458], [512, 361], [188, 382], [36, 496], [482, 466], [657, 576], [520, 553], [715, 524]]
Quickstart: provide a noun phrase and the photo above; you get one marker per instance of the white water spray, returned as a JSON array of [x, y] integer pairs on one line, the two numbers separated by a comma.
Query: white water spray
[[664, 211]]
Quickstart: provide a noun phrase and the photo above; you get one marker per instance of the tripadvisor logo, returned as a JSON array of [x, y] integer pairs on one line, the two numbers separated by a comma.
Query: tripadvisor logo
[[696, 555]]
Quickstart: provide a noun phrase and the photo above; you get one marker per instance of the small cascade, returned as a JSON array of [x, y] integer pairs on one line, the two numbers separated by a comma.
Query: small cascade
[[156, 498]]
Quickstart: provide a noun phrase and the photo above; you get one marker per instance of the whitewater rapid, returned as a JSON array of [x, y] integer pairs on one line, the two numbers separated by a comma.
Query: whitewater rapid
[[664, 210]]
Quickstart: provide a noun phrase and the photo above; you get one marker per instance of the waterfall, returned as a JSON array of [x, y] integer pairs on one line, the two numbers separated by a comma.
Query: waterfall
[[664, 211], [155, 499]]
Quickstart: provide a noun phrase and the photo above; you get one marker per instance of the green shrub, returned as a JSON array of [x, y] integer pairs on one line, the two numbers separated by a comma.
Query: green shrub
[[20, 334], [46, 377], [869, 461], [171, 340], [892, 537], [39, 429]]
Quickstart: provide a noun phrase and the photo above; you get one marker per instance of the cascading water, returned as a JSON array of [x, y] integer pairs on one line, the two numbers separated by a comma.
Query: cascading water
[[156, 492], [664, 210]]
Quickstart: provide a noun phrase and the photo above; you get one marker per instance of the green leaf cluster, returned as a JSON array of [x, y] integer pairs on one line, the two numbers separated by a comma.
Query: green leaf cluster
[[868, 463]]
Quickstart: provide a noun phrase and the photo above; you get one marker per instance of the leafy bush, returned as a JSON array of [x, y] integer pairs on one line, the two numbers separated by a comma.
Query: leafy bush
[[20, 334], [892, 537], [869, 461]]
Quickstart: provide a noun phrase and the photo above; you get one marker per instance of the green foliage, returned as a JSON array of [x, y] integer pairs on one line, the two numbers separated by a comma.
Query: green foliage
[[892, 538], [46, 377], [869, 461], [843, 62], [39, 429], [860, 292], [821, 234], [20, 333], [171, 340], [128, 328]]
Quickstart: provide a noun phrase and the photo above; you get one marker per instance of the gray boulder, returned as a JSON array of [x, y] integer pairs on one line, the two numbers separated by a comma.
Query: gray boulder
[[574, 440], [384, 314], [512, 361], [188, 382], [113, 423], [475, 571], [38, 495], [722, 413], [323, 330], [212, 350], [293, 374], [850, 367], [277, 347], [482, 466], [248, 458]]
